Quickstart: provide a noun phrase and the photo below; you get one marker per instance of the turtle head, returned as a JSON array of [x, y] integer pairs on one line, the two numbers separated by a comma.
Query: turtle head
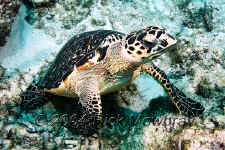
[[147, 44]]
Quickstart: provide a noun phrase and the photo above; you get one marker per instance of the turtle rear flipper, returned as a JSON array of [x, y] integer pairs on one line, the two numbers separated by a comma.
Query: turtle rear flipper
[[184, 104], [33, 98]]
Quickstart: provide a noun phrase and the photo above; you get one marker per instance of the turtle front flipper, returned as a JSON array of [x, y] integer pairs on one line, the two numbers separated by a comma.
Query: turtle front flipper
[[184, 104], [91, 113]]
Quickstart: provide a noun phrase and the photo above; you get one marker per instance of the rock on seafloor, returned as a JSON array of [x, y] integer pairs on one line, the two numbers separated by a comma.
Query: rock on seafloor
[[178, 132], [8, 10], [147, 119]]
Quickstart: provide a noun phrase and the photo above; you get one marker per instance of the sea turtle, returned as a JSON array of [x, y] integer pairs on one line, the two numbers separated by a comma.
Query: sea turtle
[[95, 63]]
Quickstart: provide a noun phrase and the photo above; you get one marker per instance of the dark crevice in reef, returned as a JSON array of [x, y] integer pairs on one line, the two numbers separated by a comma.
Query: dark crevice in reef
[[197, 17], [183, 4], [8, 11], [38, 11], [159, 107], [205, 90], [44, 4], [222, 104]]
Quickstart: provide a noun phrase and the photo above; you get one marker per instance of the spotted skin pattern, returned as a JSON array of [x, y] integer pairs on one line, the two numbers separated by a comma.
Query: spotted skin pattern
[[148, 41], [184, 104], [99, 62], [92, 106]]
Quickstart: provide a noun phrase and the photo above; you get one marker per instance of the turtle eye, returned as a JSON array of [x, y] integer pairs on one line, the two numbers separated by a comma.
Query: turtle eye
[[163, 42], [149, 51], [149, 44]]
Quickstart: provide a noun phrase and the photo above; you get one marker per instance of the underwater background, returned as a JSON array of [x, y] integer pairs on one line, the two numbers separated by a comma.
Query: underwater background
[[33, 31]]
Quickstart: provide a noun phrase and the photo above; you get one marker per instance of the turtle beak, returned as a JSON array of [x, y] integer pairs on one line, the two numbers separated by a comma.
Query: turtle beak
[[170, 39]]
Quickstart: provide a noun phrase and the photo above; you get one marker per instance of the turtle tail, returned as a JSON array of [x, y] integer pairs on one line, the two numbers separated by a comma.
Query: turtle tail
[[33, 98]]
